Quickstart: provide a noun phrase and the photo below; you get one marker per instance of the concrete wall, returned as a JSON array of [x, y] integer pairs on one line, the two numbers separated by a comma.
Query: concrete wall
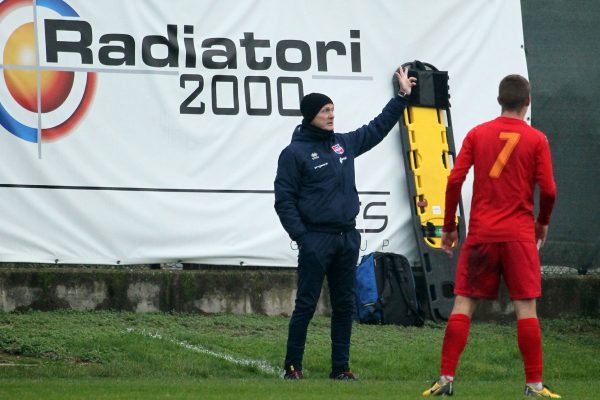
[[562, 296], [269, 292], [239, 292]]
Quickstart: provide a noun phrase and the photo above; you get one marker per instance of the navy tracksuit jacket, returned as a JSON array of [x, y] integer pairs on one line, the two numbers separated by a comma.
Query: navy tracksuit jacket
[[317, 203]]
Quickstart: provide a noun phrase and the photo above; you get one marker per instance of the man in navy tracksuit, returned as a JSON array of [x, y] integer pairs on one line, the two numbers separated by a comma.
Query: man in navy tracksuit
[[317, 202]]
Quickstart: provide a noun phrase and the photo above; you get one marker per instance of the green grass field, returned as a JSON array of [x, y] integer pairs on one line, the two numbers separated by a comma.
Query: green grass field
[[114, 355]]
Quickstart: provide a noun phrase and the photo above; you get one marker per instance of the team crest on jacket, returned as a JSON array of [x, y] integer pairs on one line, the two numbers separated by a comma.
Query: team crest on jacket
[[337, 148]]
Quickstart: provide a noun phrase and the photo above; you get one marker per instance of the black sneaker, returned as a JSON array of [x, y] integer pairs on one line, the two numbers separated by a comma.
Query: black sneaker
[[343, 376], [292, 373]]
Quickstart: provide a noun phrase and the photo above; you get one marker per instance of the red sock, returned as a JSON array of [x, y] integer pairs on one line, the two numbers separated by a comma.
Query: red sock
[[455, 340], [529, 338]]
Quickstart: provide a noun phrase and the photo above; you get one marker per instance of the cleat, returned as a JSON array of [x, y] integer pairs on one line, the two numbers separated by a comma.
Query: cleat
[[439, 388], [343, 376], [544, 392], [293, 374]]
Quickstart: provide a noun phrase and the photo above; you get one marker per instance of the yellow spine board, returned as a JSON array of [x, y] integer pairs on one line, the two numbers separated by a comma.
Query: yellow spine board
[[430, 164]]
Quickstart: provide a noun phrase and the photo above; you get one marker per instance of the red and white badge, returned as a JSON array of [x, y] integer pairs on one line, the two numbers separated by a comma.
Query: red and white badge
[[337, 148]]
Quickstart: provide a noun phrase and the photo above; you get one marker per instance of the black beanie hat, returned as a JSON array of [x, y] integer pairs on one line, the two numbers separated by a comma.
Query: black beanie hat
[[311, 104]]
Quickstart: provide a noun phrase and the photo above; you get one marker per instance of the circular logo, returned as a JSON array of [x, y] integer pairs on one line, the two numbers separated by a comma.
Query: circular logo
[[33, 96]]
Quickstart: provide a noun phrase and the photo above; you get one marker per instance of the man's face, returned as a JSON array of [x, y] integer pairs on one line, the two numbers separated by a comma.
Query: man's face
[[324, 118]]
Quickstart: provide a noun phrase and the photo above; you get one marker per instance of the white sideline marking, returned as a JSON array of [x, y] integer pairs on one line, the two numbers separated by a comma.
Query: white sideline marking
[[18, 365], [261, 365]]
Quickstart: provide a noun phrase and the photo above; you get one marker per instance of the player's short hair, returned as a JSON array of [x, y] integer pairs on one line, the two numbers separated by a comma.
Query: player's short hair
[[513, 92]]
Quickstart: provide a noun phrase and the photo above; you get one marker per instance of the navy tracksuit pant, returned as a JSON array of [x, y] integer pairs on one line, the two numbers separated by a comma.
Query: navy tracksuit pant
[[333, 255]]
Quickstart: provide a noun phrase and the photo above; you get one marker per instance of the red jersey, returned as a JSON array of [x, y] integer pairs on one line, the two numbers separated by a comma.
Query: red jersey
[[509, 158]]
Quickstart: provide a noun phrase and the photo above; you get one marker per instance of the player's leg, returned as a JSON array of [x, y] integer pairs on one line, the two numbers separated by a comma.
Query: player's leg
[[456, 334], [522, 276], [529, 339], [477, 276], [455, 341], [313, 256]]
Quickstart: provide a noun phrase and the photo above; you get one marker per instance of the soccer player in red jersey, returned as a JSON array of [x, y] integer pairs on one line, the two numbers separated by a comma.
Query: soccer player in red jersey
[[509, 158]]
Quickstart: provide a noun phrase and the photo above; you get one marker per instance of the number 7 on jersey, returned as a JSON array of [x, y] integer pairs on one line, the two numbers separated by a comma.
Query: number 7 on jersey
[[512, 138]]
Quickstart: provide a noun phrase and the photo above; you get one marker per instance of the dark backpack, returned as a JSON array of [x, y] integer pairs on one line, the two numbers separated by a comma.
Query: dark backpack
[[385, 291]]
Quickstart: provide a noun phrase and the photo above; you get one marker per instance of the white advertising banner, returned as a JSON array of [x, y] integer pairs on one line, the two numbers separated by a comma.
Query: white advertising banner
[[148, 131]]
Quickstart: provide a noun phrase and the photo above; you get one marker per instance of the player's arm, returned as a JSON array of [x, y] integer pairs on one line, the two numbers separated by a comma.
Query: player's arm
[[541, 232], [544, 177], [463, 163]]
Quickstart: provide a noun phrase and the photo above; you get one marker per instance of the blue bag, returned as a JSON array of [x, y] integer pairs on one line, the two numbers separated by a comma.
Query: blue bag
[[368, 309]]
